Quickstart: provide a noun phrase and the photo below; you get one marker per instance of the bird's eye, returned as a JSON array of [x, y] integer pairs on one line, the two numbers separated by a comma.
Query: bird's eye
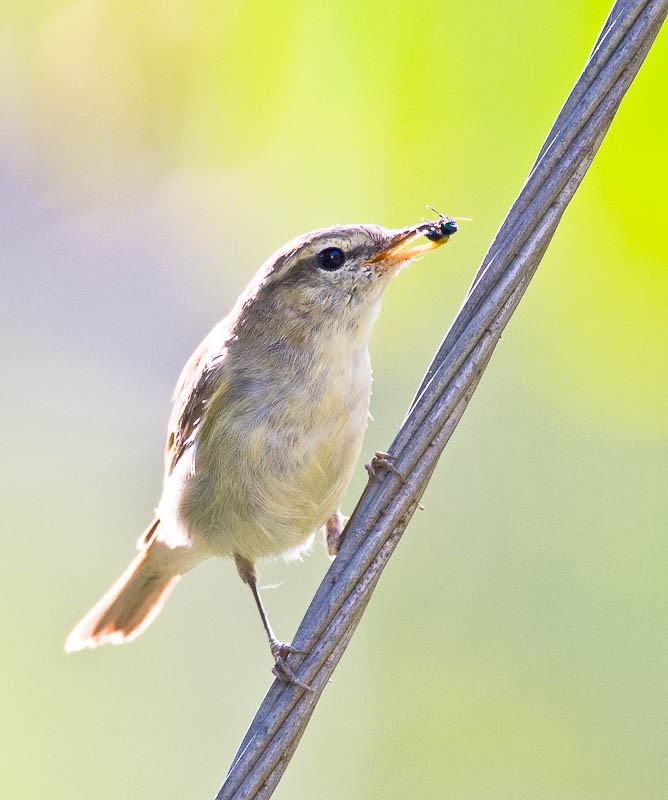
[[331, 258]]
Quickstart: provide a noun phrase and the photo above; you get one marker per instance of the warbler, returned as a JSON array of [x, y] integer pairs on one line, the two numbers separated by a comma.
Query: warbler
[[268, 419]]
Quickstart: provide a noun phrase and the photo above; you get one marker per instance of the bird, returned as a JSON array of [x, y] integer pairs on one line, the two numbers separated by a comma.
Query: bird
[[267, 424]]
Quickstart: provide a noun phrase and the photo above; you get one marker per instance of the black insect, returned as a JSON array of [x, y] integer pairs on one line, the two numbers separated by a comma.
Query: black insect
[[443, 226]]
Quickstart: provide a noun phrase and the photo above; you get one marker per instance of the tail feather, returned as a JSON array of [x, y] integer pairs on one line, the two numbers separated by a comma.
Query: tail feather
[[128, 608]]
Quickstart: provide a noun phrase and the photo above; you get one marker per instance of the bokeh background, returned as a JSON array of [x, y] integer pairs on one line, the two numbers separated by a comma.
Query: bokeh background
[[151, 156]]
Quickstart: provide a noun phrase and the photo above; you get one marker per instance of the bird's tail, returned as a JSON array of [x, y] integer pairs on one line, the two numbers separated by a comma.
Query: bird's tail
[[131, 604]]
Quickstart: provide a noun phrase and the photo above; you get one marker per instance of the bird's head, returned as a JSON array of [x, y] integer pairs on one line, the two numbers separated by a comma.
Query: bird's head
[[343, 270]]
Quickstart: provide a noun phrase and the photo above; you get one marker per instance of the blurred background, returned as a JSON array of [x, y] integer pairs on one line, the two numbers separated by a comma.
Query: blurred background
[[152, 156]]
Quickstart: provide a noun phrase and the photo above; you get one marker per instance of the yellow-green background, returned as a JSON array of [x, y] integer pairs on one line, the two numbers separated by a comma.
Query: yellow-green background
[[152, 155]]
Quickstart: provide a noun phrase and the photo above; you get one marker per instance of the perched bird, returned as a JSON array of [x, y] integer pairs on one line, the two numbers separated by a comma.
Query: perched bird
[[267, 425]]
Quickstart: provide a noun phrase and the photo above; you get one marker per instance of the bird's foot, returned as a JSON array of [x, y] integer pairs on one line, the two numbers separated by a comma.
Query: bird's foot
[[281, 669], [383, 461]]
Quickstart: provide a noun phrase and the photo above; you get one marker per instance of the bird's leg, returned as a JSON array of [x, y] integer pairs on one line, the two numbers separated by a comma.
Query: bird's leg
[[279, 650], [383, 461], [334, 533]]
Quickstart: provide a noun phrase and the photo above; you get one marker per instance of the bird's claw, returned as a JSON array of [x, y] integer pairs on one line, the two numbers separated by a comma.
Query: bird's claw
[[280, 651], [383, 461], [283, 650]]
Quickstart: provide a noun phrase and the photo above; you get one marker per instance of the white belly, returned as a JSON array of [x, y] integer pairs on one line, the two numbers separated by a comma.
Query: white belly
[[274, 470]]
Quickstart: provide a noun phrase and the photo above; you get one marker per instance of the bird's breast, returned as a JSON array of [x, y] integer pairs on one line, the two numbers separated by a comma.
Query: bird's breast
[[272, 466]]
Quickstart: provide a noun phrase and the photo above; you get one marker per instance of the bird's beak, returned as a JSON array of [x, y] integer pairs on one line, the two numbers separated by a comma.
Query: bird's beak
[[401, 246]]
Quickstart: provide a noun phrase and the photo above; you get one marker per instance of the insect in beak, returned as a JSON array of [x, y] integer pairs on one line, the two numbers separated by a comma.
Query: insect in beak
[[402, 247]]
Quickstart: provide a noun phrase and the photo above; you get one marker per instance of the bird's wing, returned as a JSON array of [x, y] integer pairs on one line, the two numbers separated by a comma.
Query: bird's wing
[[198, 383]]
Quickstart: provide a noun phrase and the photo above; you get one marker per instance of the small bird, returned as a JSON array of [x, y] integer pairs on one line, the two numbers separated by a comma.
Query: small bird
[[267, 424]]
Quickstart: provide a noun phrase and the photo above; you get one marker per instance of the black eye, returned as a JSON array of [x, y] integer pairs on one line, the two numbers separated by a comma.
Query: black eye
[[331, 258]]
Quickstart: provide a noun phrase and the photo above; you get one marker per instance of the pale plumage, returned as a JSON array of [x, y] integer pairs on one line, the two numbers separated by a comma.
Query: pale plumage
[[267, 425]]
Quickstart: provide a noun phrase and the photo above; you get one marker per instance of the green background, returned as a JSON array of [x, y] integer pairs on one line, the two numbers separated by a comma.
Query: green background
[[153, 154]]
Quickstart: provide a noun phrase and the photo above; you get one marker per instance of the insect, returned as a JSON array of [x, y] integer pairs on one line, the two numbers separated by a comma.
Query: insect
[[437, 231], [444, 226]]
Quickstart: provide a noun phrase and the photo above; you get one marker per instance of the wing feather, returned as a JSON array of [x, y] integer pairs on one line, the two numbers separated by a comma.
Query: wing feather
[[199, 381]]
